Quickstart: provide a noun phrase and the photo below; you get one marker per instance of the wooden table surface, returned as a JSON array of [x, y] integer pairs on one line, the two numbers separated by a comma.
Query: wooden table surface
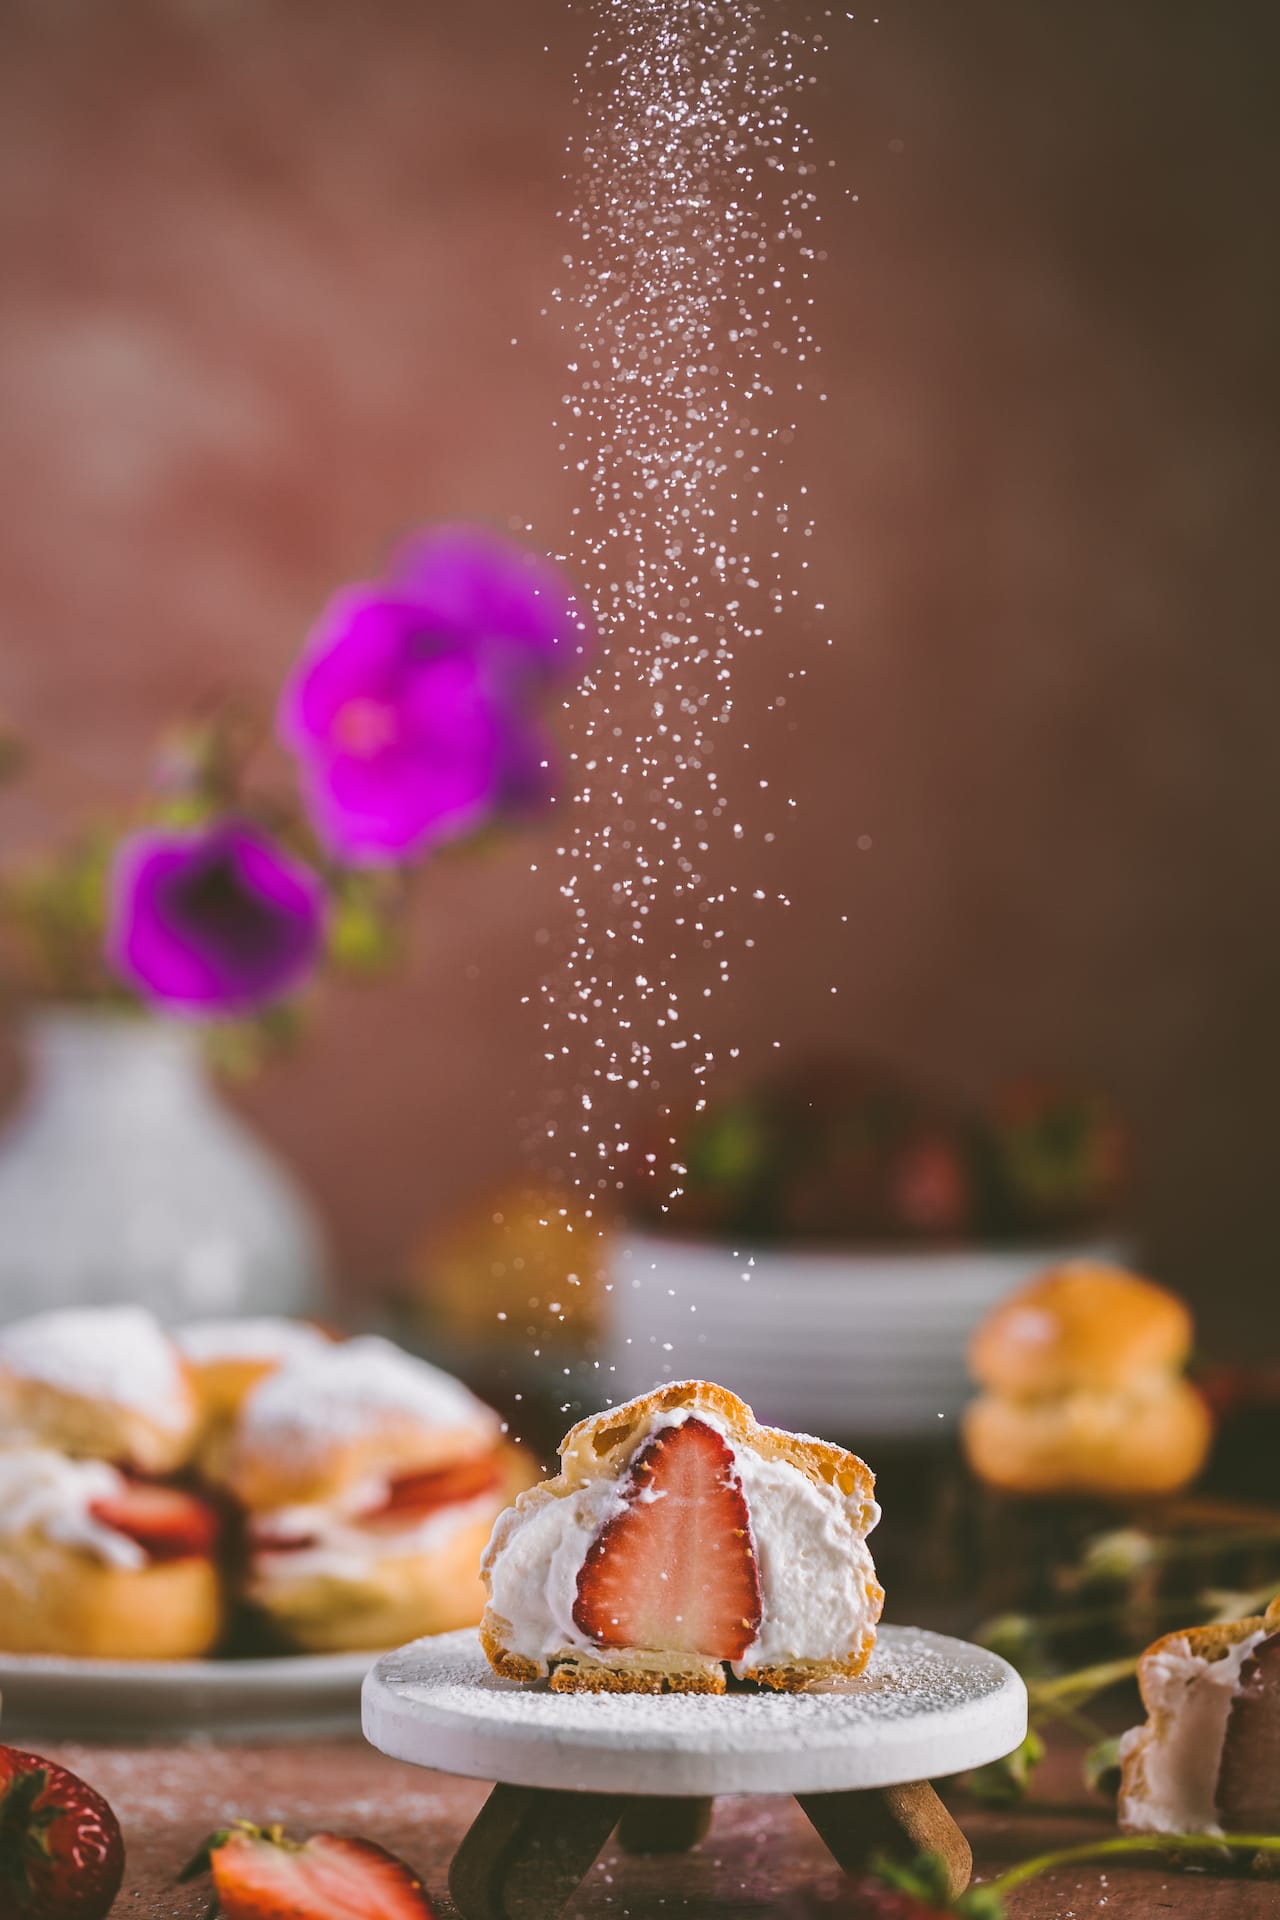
[[761, 1853]]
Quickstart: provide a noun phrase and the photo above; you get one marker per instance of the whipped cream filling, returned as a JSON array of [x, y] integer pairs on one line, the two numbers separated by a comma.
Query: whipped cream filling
[[814, 1569], [1189, 1701], [340, 1545], [44, 1493]]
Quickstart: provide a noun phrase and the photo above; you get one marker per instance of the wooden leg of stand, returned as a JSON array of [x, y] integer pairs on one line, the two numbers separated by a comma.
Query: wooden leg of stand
[[527, 1850], [663, 1826], [898, 1821]]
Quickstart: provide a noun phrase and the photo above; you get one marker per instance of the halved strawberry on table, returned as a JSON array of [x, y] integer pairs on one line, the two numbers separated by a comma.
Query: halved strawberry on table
[[675, 1571], [61, 1854], [260, 1874], [167, 1522]]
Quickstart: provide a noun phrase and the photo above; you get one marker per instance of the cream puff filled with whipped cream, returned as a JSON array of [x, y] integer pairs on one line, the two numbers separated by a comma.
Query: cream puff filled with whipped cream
[[97, 1563], [681, 1542], [370, 1481]]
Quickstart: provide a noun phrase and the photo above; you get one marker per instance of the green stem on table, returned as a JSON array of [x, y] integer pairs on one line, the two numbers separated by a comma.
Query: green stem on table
[[1084, 1683], [1205, 1545], [1068, 1716], [1248, 1603], [1130, 1844]]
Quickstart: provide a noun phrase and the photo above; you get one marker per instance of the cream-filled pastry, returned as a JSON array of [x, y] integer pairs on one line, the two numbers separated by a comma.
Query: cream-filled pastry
[[682, 1540], [371, 1482], [104, 1383], [1205, 1759], [230, 1357], [98, 1564], [1081, 1372]]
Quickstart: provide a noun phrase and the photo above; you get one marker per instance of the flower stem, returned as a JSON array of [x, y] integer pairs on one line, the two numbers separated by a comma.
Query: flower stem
[[1130, 1844], [1082, 1685]]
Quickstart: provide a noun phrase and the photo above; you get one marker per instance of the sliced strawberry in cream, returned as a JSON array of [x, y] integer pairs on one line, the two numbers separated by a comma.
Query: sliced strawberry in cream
[[166, 1522], [264, 1541], [675, 1570], [419, 1493]]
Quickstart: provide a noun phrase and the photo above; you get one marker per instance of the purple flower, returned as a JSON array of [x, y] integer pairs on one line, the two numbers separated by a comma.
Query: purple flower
[[214, 920], [414, 709], [475, 587]]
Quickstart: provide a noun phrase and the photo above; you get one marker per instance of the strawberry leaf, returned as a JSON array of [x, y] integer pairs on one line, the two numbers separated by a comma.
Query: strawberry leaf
[[202, 1862]]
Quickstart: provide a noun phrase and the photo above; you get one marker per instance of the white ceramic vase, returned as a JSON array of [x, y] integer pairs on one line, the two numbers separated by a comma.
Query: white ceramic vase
[[124, 1178]]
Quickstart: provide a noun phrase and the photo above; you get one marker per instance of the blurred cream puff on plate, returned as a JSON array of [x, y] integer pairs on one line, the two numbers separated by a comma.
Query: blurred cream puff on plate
[[371, 1481], [97, 1556], [228, 1358]]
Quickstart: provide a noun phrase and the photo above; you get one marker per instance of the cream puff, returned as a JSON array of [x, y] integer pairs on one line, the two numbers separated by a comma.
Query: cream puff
[[371, 1481], [229, 1357], [680, 1541], [1083, 1392], [104, 1383], [1205, 1759], [96, 1564]]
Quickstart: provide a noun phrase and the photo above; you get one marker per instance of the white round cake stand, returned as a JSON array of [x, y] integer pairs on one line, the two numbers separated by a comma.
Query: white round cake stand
[[571, 1767]]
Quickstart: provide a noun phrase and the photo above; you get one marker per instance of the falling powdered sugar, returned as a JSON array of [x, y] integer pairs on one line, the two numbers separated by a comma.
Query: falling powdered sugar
[[692, 240]]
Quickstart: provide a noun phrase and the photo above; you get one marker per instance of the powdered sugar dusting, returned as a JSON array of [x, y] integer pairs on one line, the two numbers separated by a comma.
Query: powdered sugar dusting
[[265, 1338], [119, 1354], [926, 1705], [348, 1391], [906, 1676]]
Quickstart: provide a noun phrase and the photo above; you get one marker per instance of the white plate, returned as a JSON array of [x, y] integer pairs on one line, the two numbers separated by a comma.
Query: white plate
[[926, 1706], [850, 1344], [175, 1699]]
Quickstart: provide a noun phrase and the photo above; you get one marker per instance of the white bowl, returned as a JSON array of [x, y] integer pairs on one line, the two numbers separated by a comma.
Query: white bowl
[[840, 1343]]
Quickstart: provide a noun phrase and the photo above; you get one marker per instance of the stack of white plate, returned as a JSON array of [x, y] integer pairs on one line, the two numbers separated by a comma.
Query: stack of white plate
[[837, 1343]]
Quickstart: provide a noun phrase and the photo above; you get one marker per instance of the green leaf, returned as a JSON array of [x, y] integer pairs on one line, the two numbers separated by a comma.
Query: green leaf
[[927, 1880], [1004, 1782], [202, 1862], [1119, 1555], [1017, 1638], [1102, 1766]]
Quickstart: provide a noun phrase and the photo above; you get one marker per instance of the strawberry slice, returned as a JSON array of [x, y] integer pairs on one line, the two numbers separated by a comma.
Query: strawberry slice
[[675, 1571], [61, 1855], [259, 1874], [166, 1522], [417, 1493], [1249, 1771]]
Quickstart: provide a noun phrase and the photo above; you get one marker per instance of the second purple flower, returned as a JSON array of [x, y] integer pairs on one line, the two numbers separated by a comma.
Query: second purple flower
[[414, 712]]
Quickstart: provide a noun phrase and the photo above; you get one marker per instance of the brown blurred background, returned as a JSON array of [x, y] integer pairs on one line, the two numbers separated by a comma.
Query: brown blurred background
[[263, 262]]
